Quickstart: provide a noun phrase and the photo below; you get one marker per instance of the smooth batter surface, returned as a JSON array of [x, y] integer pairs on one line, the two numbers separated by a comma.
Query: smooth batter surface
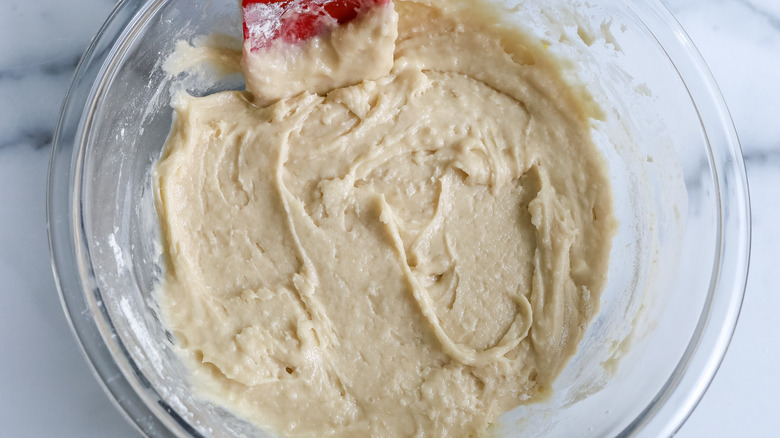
[[409, 256]]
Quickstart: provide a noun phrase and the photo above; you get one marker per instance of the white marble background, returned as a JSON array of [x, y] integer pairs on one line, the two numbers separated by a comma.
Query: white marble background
[[46, 388]]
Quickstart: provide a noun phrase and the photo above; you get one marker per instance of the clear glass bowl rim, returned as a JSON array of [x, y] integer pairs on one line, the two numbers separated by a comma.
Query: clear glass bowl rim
[[147, 411]]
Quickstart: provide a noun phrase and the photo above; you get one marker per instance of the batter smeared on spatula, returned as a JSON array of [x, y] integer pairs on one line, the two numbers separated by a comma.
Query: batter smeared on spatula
[[292, 46]]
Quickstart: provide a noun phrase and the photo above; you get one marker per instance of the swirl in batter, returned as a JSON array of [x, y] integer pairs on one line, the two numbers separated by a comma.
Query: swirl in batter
[[409, 255]]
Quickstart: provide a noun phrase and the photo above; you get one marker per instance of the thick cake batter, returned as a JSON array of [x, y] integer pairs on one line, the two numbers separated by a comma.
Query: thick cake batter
[[411, 255]]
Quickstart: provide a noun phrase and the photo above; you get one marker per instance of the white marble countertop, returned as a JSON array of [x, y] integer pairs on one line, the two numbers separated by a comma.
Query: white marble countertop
[[46, 388]]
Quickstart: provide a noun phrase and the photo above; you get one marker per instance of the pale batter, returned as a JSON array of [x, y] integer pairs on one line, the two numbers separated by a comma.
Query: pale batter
[[408, 256]]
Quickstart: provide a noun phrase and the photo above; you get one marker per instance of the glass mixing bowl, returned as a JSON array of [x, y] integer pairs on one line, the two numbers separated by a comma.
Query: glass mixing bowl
[[679, 259]]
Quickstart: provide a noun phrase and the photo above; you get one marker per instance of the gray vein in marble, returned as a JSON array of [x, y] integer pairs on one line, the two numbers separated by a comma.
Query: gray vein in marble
[[771, 18], [768, 157], [57, 67], [31, 98], [766, 9], [38, 138]]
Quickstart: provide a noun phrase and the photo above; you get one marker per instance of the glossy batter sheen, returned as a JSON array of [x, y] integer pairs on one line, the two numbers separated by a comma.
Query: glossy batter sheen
[[408, 256]]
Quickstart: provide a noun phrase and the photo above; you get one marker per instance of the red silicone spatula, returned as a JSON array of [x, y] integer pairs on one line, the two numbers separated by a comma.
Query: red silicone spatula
[[266, 21]]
